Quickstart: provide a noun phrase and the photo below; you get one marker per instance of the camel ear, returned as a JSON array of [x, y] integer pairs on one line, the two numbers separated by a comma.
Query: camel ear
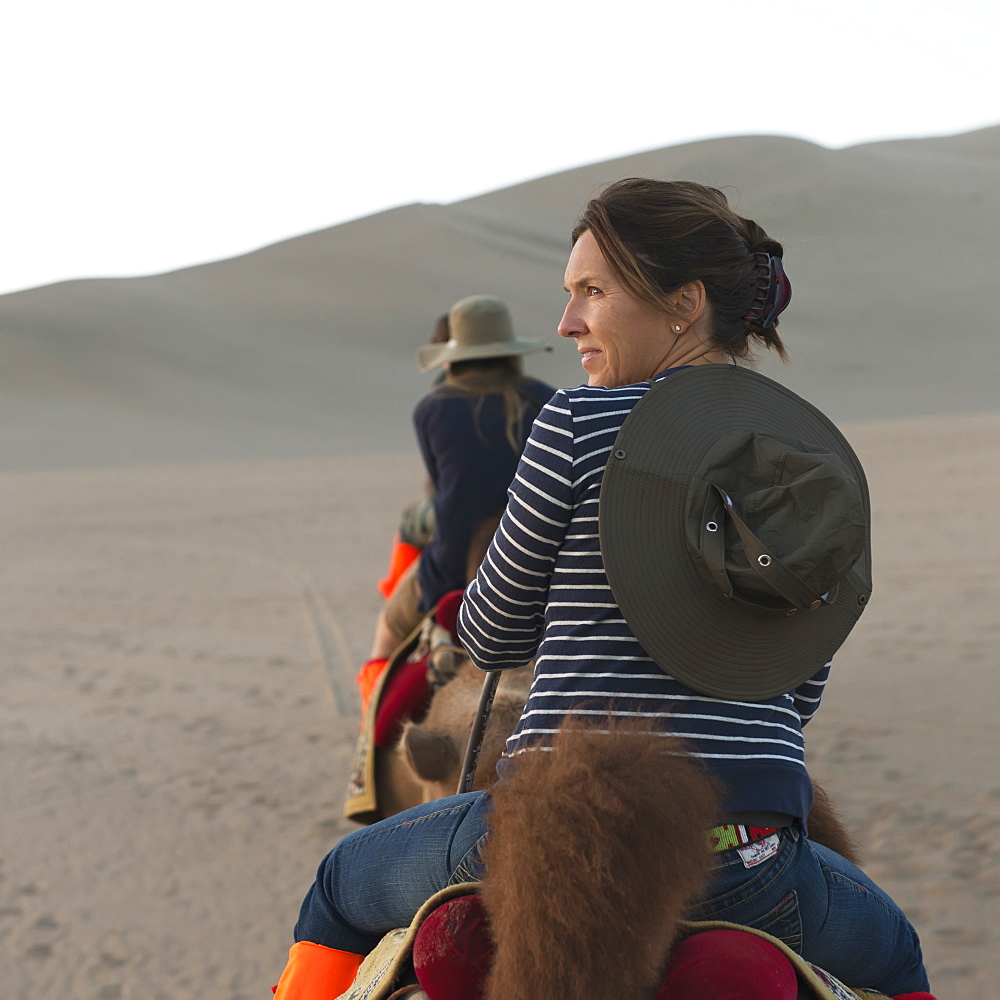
[[432, 756]]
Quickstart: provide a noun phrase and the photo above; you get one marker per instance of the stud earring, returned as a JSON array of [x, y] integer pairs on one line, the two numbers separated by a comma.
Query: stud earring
[[677, 328]]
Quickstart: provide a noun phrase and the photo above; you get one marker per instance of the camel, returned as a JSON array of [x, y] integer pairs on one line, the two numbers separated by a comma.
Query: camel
[[425, 762], [431, 751]]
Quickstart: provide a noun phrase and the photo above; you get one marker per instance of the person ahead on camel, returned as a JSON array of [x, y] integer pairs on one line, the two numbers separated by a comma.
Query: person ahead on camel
[[471, 428]]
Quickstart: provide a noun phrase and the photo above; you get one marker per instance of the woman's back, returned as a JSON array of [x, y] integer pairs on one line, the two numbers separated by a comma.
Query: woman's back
[[471, 443], [589, 665]]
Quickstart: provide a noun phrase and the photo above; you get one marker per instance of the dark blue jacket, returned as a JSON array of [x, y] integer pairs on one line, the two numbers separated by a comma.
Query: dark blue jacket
[[471, 464]]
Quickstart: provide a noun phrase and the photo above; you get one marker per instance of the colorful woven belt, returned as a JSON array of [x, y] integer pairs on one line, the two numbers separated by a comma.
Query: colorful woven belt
[[724, 838]]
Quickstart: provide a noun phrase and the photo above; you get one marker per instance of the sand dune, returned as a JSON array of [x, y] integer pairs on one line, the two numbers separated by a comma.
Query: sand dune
[[202, 473], [305, 347]]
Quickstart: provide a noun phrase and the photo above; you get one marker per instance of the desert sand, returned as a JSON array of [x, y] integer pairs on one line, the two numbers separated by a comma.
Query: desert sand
[[200, 484]]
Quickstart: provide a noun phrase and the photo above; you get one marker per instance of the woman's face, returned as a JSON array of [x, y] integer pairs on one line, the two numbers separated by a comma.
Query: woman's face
[[619, 338]]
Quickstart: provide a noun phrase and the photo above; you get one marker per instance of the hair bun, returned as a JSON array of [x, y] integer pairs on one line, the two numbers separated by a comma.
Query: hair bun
[[768, 245]]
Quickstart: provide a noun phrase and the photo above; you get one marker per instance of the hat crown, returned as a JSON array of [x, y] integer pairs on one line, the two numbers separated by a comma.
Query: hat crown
[[480, 328], [479, 320], [800, 501]]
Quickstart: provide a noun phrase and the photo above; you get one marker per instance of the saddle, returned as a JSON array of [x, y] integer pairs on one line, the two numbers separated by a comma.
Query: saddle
[[424, 661], [441, 959]]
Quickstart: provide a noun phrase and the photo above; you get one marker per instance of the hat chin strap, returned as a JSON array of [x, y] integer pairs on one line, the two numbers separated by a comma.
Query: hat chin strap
[[761, 561]]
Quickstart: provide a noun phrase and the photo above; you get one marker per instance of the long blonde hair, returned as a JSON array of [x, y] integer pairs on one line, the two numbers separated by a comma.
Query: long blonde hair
[[491, 377]]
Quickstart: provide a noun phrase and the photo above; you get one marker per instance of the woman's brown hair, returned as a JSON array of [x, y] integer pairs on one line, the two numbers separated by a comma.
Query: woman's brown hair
[[659, 235]]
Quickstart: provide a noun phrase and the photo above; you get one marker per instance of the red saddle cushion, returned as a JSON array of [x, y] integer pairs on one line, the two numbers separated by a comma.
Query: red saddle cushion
[[453, 951], [728, 963], [446, 612], [406, 695]]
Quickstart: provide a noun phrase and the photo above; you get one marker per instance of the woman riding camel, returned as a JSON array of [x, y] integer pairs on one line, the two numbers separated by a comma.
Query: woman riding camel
[[471, 428], [685, 546]]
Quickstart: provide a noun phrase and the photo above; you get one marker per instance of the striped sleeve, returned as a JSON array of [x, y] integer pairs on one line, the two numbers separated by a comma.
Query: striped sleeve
[[503, 613], [808, 695]]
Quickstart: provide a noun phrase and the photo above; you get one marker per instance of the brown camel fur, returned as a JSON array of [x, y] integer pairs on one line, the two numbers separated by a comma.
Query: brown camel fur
[[433, 749], [826, 828], [595, 850], [396, 786]]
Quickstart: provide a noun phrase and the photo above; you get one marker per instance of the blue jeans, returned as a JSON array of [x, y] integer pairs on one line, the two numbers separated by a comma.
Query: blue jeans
[[377, 878], [814, 900], [824, 908]]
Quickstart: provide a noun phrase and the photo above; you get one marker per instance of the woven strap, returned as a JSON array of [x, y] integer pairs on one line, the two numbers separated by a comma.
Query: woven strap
[[730, 835], [762, 561]]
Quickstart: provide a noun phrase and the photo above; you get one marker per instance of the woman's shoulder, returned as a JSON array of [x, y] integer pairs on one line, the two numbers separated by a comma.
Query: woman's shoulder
[[584, 412], [442, 394], [596, 397], [440, 408]]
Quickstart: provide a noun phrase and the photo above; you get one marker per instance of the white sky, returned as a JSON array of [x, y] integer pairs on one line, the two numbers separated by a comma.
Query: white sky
[[142, 136]]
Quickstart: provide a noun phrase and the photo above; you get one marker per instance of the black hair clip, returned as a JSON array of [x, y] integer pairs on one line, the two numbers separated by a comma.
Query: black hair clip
[[779, 293], [774, 291]]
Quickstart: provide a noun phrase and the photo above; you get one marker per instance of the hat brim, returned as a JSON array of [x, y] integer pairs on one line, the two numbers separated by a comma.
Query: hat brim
[[430, 356], [690, 630]]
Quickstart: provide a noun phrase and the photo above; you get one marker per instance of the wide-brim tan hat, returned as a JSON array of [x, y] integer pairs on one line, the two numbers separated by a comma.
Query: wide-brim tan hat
[[735, 529], [480, 327]]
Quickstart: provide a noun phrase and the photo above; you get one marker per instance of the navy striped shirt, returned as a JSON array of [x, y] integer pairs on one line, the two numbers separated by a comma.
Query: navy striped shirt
[[542, 592]]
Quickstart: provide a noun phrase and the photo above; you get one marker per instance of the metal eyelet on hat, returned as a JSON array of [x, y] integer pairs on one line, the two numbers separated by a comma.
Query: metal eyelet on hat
[[711, 526], [764, 560], [619, 453]]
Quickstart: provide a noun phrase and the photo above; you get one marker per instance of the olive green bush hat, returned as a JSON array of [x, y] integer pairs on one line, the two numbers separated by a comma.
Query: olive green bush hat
[[480, 327], [735, 528]]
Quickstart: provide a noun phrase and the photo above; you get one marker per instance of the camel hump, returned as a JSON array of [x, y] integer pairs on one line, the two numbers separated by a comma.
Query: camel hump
[[431, 755], [602, 838]]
